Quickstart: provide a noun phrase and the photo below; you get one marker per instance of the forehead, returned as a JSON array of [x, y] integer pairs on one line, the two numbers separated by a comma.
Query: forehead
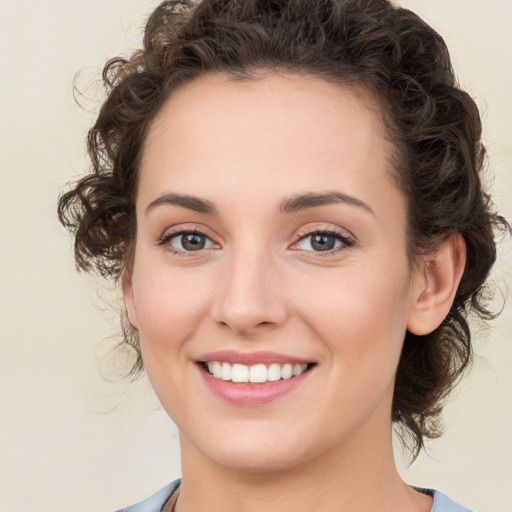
[[268, 104], [283, 134]]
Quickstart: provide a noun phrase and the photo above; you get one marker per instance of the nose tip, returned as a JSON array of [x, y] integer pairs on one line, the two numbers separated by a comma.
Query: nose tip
[[244, 320], [250, 298], [244, 325]]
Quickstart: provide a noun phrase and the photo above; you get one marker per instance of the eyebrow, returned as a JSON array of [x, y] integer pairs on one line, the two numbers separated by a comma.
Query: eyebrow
[[311, 200], [185, 201], [293, 204]]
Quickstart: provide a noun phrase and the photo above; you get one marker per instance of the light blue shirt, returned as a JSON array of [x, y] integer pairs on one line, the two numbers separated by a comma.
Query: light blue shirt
[[156, 502]]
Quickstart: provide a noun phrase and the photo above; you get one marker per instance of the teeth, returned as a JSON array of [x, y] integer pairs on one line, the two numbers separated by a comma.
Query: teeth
[[226, 371], [299, 368], [287, 371], [239, 373], [258, 373], [216, 369], [274, 372]]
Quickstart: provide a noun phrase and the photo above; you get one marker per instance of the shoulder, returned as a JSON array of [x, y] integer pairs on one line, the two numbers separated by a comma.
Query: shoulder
[[443, 503], [155, 502]]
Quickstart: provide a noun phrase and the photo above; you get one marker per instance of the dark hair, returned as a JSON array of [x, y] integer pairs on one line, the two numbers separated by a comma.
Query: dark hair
[[385, 51]]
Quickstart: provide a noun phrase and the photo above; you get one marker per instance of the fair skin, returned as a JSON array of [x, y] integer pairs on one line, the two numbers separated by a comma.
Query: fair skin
[[246, 267]]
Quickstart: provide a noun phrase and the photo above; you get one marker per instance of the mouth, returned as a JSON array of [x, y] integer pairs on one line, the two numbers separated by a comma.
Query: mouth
[[253, 374], [252, 379]]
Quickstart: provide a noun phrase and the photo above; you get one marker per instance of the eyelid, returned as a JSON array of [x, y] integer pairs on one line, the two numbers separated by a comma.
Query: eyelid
[[347, 240], [181, 229]]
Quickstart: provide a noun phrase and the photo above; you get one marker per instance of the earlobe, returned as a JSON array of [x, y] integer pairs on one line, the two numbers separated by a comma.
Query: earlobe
[[127, 287], [436, 285]]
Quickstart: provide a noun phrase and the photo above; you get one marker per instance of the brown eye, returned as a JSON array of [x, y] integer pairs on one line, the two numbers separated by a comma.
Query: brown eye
[[190, 241]]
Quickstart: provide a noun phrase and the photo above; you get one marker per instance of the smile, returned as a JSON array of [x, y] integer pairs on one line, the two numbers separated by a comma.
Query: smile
[[254, 374], [249, 379]]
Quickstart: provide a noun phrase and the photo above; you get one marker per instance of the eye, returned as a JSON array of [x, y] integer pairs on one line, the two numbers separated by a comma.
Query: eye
[[323, 241], [187, 241]]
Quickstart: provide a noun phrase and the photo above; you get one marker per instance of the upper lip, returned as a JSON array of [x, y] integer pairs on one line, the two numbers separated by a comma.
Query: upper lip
[[251, 358]]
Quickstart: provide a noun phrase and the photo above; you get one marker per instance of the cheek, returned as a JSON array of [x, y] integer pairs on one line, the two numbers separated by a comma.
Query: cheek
[[170, 305], [361, 316]]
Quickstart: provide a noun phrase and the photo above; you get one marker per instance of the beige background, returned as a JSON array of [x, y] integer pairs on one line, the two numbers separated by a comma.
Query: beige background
[[70, 441]]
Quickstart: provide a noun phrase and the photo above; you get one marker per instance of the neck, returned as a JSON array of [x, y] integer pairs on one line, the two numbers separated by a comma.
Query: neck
[[357, 476]]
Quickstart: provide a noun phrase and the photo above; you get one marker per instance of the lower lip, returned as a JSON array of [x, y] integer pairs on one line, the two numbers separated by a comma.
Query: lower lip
[[252, 394]]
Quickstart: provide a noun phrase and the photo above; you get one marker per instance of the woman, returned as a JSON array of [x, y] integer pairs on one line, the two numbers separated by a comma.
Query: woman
[[289, 195]]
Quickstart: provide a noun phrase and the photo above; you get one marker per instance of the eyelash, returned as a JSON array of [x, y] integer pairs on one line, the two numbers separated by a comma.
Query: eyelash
[[346, 241], [165, 241]]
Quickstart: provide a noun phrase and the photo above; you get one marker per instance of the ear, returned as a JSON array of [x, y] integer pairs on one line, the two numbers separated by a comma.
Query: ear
[[127, 287], [436, 284]]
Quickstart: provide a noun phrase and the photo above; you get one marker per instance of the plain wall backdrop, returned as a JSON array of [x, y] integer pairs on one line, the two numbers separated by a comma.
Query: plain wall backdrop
[[70, 440]]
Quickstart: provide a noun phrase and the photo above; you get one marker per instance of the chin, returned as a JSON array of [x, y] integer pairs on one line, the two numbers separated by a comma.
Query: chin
[[249, 450], [254, 461]]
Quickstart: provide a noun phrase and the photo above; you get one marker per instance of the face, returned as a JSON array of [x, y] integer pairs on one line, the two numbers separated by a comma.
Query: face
[[270, 253]]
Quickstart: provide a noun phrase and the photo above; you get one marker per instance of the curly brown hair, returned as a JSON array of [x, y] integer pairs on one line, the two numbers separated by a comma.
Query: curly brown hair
[[390, 53]]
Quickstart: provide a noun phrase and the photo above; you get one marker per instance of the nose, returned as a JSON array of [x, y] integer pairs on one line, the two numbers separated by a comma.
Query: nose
[[251, 297]]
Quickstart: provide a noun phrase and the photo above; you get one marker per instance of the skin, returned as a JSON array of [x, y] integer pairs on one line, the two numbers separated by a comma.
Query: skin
[[259, 285]]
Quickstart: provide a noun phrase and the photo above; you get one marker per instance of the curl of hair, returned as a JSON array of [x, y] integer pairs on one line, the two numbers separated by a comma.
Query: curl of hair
[[386, 51]]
